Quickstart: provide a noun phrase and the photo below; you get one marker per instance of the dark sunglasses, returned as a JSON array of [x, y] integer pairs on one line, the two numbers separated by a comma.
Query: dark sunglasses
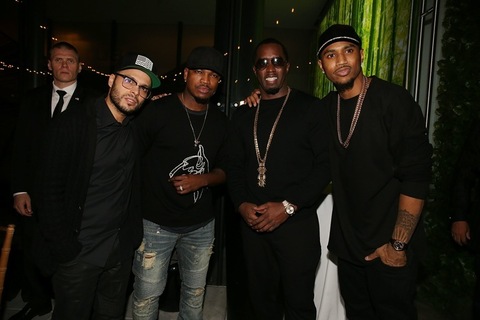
[[276, 62]]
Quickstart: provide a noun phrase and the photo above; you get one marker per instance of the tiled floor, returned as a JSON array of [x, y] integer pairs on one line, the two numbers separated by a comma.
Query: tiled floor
[[215, 307]]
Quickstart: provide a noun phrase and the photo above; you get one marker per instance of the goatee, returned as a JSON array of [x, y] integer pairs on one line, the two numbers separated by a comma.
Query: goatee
[[201, 100], [342, 87]]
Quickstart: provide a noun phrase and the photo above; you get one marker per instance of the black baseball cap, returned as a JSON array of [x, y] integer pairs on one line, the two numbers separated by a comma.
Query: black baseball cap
[[206, 58], [140, 62], [335, 33]]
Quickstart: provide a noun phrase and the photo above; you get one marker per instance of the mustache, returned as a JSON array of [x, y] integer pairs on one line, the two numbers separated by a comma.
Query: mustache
[[344, 65]]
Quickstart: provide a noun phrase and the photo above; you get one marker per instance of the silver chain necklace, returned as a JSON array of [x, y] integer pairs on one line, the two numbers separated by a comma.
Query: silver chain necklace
[[262, 170], [356, 114], [196, 138]]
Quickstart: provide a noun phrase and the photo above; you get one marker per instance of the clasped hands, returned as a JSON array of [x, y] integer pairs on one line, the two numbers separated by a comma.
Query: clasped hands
[[263, 218]]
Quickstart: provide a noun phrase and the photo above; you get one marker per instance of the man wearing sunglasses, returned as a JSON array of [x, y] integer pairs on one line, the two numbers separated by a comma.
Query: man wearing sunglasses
[[278, 156], [88, 190]]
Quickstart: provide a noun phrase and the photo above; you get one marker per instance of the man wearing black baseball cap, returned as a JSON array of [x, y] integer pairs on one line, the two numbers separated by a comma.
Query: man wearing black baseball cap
[[88, 193], [336, 33], [381, 160], [182, 139]]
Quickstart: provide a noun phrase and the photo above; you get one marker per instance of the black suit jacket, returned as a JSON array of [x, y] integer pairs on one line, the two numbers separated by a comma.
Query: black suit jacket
[[33, 121]]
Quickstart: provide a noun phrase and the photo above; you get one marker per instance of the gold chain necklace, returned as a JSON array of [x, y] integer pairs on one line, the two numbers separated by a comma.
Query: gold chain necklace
[[262, 170], [196, 139], [356, 114]]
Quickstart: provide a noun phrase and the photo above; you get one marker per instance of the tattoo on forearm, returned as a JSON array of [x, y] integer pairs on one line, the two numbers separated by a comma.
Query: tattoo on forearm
[[405, 225]]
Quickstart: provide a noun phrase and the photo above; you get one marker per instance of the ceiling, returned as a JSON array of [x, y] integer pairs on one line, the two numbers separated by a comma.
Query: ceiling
[[190, 12]]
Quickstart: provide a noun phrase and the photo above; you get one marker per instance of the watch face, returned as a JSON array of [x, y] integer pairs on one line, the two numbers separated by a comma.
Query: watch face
[[399, 246], [290, 209]]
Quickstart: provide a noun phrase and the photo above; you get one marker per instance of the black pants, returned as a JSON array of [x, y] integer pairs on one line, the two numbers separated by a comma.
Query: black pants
[[281, 268], [378, 292], [84, 291], [36, 288]]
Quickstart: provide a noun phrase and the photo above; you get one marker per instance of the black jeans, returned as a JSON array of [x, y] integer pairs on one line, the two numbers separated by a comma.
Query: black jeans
[[376, 291], [84, 291]]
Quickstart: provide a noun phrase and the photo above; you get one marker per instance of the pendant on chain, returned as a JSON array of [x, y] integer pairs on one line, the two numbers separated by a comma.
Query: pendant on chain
[[262, 170], [262, 178], [196, 138]]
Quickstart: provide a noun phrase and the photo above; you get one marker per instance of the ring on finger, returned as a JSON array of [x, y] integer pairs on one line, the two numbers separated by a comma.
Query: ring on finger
[[180, 188]]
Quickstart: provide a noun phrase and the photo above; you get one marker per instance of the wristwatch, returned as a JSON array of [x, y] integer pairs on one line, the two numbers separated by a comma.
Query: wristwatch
[[289, 208], [398, 245]]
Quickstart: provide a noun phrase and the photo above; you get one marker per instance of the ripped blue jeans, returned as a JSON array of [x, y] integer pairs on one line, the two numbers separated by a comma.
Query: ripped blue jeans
[[151, 263]]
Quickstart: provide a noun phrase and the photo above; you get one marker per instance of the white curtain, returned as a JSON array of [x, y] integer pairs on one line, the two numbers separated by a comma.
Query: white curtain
[[328, 301]]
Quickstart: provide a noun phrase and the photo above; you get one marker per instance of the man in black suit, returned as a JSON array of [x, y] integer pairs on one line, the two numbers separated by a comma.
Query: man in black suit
[[36, 113]]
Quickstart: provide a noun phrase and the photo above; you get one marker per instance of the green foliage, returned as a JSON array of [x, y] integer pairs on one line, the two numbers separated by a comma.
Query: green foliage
[[449, 278]]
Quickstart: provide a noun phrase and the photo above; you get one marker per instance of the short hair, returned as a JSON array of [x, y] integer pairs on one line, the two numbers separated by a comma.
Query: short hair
[[270, 41], [63, 45]]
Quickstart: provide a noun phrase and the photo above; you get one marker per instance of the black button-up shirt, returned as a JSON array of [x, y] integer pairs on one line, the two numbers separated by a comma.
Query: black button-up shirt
[[109, 191]]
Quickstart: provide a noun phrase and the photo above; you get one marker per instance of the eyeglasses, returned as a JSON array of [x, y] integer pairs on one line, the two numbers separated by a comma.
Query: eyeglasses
[[277, 62], [130, 84]]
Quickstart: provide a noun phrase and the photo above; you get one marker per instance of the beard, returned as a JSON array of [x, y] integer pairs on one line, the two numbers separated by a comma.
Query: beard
[[342, 87], [116, 99]]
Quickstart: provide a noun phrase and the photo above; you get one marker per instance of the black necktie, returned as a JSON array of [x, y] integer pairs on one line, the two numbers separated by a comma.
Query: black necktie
[[59, 106]]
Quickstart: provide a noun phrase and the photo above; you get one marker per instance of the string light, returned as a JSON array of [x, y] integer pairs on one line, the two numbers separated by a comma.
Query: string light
[[4, 66]]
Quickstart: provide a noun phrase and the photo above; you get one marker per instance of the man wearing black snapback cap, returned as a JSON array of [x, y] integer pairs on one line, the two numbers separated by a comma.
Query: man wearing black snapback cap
[[88, 189], [182, 142], [380, 158]]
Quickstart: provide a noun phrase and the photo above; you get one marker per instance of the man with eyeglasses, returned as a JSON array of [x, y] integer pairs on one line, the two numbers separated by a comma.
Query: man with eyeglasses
[[37, 111], [278, 155], [88, 191], [182, 141]]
